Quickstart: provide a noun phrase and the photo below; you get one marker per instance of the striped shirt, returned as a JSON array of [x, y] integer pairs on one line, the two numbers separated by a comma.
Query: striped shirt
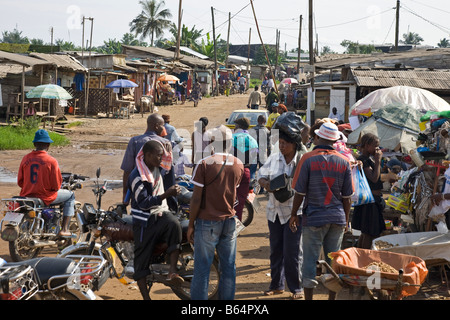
[[145, 196], [324, 177]]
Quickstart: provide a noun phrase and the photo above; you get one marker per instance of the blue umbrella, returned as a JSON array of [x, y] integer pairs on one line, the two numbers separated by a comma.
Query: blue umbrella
[[121, 83]]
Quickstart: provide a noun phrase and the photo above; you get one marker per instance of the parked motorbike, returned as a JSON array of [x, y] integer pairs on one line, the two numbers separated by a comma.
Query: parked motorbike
[[29, 225], [110, 235], [251, 203], [47, 278]]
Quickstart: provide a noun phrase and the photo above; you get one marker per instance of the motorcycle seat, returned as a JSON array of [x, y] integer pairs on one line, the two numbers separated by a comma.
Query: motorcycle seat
[[37, 202], [47, 267]]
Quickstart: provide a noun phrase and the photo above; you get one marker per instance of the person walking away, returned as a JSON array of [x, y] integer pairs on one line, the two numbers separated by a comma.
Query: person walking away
[[153, 222], [262, 137], [200, 140], [271, 98], [254, 100], [183, 88], [155, 131], [323, 184], [245, 148], [242, 81], [172, 134], [40, 177], [285, 246], [212, 225], [368, 218]]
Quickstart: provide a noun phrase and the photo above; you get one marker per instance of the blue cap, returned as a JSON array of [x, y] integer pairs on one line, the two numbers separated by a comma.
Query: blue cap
[[274, 104], [42, 136]]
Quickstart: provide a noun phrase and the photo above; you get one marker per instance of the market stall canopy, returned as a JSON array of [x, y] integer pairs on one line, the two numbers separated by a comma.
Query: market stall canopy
[[289, 80], [395, 125], [121, 83], [419, 99], [49, 91], [168, 78]]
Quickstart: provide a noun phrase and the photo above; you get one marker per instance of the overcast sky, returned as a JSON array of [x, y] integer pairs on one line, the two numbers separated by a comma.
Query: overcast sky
[[371, 22]]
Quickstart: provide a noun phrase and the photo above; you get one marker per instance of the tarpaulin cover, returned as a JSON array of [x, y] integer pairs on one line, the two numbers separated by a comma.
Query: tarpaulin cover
[[428, 246], [420, 99], [354, 260]]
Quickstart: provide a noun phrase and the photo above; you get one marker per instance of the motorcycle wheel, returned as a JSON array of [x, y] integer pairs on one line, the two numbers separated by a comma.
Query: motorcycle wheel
[[247, 214], [19, 249], [60, 295], [184, 293]]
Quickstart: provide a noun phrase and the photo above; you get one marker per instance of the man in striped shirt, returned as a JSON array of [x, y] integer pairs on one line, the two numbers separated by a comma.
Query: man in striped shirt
[[153, 222], [323, 182]]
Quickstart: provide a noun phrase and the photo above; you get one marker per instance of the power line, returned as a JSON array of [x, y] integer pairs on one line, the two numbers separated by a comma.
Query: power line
[[442, 28]]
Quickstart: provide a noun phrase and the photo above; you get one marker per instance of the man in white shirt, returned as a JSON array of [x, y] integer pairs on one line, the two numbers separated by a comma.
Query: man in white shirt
[[255, 99]]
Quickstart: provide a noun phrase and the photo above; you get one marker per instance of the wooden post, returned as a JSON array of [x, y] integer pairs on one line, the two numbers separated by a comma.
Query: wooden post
[[177, 52], [42, 80], [397, 21], [228, 39], [299, 46], [311, 59], [265, 51], [216, 89], [248, 57], [22, 96]]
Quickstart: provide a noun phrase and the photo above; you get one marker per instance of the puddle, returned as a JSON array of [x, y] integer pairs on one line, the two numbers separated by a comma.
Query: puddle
[[105, 145], [7, 176]]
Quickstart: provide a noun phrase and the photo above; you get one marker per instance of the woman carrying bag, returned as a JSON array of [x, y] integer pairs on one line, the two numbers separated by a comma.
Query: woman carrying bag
[[285, 246], [368, 218]]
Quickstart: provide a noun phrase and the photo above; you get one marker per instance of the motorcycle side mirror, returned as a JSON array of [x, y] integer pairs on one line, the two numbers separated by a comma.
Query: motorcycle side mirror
[[98, 173]]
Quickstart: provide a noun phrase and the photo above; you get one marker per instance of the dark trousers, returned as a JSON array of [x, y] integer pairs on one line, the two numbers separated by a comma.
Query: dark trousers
[[286, 257], [160, 229], [242, 193]]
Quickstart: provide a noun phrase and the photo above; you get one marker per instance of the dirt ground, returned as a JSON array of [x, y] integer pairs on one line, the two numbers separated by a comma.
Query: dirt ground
[[100, 142]]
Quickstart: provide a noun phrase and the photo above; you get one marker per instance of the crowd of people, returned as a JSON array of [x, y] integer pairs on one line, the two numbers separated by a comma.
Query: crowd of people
[[308, 212]]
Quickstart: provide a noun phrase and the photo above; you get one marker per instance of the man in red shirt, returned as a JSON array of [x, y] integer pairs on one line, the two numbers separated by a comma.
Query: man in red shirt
[[40, 177]]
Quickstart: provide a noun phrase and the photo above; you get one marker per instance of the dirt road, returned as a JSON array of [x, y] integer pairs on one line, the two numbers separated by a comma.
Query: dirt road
[[101, 143]]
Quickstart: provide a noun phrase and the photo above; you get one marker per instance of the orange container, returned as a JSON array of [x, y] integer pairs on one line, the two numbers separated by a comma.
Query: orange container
[[354, 260]]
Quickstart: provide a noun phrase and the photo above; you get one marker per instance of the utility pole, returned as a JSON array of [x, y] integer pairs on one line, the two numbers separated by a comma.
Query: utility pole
[[177, 52], [397, 21], [215, 54], [248, 56], [311, 61], [86, 91], [51, 32], [276, 53], [299, 44], [228, 39]]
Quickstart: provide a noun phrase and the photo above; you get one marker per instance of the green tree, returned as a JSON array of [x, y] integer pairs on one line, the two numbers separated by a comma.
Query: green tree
[[444, 43], [152, 21], [65, 45], [260, 56], [356, 48], [14, 36], [130, 40], [411, 38], [188, 38], [326, 50], [112, 46]]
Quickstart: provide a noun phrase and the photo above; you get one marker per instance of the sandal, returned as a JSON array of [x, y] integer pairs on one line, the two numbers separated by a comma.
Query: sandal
[[174, 279], [272, 292], [298, 296]]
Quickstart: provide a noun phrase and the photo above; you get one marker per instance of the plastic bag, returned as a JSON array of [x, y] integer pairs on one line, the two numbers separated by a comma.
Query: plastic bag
[[362, 194], [291, 124]]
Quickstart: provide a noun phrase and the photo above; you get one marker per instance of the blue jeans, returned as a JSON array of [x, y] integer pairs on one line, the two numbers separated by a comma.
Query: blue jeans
[[66, 197], [210, 236], [330, 237]]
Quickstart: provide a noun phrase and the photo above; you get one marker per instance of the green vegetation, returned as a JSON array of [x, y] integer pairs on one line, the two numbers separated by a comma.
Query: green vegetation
[[21, 136]]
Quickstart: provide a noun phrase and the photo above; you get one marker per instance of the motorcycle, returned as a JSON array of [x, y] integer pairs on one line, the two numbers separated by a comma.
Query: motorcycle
[[251, 203], [46, 278], [110, 235], [29, 225]]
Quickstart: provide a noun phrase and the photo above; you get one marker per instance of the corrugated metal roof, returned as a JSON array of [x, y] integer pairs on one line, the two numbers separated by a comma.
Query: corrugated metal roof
[[62, 61], [169, 55], [8, 58], [425, 79]]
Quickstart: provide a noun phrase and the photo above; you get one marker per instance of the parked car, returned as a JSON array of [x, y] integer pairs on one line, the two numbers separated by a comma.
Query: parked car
[[251, 114]]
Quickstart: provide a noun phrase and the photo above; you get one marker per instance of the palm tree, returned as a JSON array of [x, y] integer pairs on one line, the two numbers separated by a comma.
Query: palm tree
[[411, 38], [152, 20], [444, 43]]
